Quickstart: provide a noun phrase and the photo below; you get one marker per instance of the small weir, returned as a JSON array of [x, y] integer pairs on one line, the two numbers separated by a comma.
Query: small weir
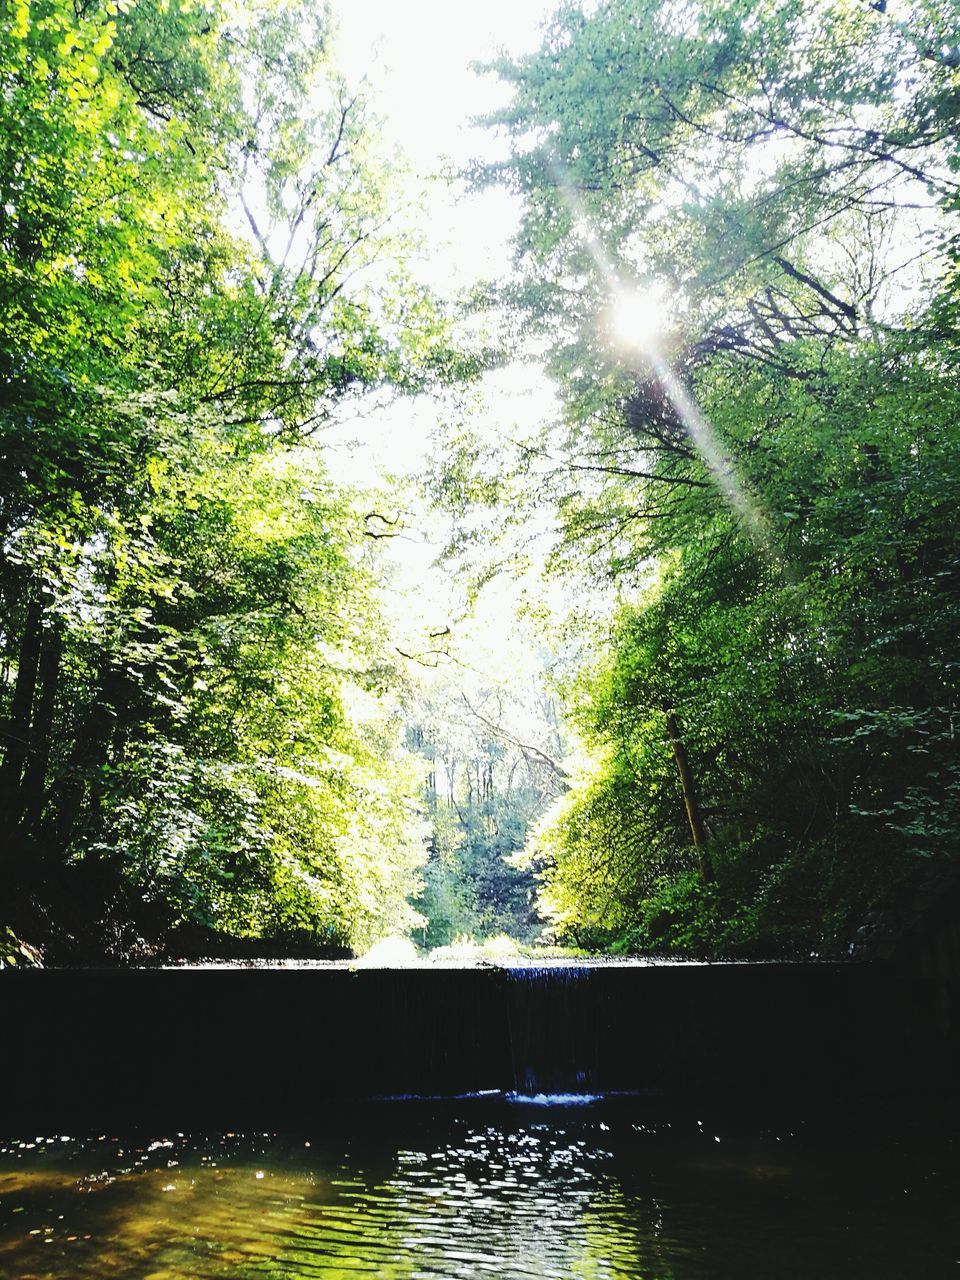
[[552, 1030], [266, 1046]]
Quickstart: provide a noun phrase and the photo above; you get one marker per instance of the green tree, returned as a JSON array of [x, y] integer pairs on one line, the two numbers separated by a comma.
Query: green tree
[[494, 747], [768, 484], [198, 718]]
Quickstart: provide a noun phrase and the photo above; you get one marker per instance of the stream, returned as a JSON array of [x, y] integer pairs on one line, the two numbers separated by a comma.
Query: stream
[[502, 1186]]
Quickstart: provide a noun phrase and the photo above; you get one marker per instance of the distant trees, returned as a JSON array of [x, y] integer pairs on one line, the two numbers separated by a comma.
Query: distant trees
[[486, 787], [769, 483], [197, 711]]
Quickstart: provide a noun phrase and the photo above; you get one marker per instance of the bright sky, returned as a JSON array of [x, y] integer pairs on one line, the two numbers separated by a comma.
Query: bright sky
[[418, 53], [415, 56]]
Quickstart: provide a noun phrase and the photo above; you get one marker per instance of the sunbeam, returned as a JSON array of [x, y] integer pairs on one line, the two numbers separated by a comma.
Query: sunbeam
[[638, 319]]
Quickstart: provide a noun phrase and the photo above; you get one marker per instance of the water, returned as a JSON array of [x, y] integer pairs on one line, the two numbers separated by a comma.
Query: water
[[552, 1028], [622, 1188]]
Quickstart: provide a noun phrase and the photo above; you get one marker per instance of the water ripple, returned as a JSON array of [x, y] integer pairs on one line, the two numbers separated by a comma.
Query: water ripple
[[571, 1193]]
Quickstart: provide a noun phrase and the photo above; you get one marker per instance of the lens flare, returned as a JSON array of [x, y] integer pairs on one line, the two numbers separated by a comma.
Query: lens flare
[[638, 317]]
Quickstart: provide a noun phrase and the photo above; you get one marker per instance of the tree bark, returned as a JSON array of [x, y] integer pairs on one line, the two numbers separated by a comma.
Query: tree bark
[[77, 789], [691, 803], [32, 789], [16, 735]]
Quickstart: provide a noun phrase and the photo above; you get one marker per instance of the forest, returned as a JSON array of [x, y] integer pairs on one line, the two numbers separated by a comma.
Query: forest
[[690, 683]]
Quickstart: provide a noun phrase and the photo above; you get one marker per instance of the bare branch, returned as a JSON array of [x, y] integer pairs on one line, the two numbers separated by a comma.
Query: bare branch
[[845, 307], [525, 747]]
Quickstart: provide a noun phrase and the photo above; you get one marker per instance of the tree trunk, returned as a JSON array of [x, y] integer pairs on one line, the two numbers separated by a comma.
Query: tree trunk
[[30, 801], [690, 801], [16, 735], [77, 790]]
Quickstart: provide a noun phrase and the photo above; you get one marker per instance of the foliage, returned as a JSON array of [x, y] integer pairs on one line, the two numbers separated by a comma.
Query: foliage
[[770, 486], [13, 952], [199, 718], [486, 786]]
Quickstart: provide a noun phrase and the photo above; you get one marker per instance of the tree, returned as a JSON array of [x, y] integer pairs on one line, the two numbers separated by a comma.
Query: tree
[[487, 725], [199, 718], [767, 484]]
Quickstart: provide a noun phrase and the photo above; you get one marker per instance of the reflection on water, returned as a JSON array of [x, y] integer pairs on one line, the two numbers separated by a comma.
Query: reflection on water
[[624, 1188]]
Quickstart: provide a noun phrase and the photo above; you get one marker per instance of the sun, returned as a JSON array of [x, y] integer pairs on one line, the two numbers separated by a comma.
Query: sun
[[638, 317]]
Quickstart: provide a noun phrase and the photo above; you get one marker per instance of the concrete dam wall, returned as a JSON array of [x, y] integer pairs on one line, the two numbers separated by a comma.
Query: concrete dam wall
[[267, 1047]]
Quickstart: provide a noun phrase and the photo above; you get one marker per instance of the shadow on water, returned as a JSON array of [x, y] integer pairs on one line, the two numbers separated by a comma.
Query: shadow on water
[[626, 1188]]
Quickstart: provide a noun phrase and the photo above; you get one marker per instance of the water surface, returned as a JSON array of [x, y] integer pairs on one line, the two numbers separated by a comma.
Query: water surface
[[623, 1188]]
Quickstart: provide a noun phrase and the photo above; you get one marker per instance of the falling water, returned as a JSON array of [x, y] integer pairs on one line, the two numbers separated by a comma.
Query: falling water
[[552, 1031]]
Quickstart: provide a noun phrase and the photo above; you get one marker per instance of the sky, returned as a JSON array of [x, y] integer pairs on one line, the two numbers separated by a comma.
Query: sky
[[414, 57], [418, 53]]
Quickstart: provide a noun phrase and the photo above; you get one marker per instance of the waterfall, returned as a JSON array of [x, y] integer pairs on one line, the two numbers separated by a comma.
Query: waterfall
[[552, 1029]]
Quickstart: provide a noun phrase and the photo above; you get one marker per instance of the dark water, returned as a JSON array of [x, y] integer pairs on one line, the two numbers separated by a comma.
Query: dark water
[[624, 1188]]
